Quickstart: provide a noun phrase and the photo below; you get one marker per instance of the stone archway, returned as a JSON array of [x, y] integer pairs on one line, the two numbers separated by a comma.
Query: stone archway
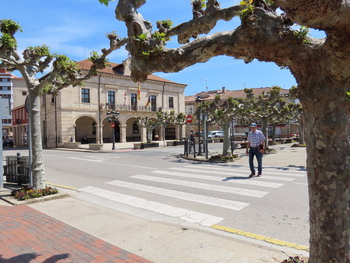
[[85, 130], [107, 131], [133, 130]]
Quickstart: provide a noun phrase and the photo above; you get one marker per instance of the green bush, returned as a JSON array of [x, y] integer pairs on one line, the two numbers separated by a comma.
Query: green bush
[[29, 192]]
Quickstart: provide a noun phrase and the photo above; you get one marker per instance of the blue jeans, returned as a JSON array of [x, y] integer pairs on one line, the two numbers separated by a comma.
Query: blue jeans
[[254, 151]]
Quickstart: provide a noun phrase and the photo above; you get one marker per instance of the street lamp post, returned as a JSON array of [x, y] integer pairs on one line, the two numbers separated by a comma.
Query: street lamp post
[[112, 118], [198, 100]]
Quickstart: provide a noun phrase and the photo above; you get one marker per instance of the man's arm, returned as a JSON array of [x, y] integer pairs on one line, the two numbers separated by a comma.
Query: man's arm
[[248, 146]]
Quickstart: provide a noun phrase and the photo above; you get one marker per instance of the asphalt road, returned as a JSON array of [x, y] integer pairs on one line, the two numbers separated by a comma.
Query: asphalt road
[[274, 205]]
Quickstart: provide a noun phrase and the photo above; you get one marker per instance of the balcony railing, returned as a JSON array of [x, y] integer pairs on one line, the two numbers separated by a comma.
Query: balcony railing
[[125, 107]]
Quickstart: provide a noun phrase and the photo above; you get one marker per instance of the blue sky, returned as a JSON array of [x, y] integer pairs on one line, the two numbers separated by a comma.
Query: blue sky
[[76, 27]]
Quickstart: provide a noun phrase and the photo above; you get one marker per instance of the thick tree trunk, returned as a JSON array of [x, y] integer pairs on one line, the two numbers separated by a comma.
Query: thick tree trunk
[[37, 163], [226, 144], [327, 125], [301, 131], [265, 131]]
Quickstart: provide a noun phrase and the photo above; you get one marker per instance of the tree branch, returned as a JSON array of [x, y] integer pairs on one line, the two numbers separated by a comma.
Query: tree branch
[[203, 24], [321, 14], [263, 36]]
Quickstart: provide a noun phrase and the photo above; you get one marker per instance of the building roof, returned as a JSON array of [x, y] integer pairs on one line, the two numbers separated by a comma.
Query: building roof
[[4, 72], [118, 69], [225, 94]]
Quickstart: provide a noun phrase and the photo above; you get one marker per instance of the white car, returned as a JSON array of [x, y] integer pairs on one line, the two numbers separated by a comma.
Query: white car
[[215, 134]]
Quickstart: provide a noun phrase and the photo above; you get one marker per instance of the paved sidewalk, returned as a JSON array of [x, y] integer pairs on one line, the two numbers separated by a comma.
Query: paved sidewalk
[[28, 235]]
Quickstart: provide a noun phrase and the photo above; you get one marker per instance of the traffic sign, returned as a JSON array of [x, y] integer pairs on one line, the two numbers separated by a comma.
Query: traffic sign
[[112, 125], [189, 119]]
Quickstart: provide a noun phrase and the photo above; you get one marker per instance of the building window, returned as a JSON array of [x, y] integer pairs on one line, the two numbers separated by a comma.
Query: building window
[[171, 102], [133, 101], [24, 93], [85, 95], [111, 99], [135, 127], [153, 102]]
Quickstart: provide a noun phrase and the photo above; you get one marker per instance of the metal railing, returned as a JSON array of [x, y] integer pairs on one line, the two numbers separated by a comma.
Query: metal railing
[[16, 169]]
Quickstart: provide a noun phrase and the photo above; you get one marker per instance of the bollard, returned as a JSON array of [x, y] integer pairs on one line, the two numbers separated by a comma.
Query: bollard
[[186, 148], [19, 179]]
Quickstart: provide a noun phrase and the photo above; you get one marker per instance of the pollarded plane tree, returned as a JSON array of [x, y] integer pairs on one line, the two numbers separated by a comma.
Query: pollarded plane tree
[[62, 72], [321, 68], [267, 108], [222, 112]]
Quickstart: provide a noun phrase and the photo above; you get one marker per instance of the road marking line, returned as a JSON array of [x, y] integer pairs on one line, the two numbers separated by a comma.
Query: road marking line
[[210, 187], [63, 186], [231, 179], [246, 169], [208, 200], [260, 237], [184, 214], [85, 159]]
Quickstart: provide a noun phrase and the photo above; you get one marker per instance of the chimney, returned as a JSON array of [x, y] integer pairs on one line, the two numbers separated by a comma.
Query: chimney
[[223, 89], [126, 64]]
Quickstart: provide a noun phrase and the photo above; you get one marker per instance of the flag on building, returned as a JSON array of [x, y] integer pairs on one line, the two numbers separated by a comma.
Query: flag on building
[[148, 101], [139, 92]]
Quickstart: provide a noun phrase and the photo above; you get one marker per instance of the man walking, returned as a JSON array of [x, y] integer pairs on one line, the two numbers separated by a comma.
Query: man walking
[[255, 147]]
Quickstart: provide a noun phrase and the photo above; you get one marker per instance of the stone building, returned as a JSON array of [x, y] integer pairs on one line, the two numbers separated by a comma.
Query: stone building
[[80, 114]]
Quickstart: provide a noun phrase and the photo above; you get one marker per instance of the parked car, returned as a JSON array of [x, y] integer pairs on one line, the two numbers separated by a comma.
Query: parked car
[[215, 134], [7, 143]]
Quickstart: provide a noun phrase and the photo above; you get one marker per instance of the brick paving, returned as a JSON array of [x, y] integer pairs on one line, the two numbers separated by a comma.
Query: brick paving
[[27, 235]]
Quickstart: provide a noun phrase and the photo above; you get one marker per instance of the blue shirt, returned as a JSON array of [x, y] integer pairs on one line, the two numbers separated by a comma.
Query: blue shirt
[[256, 138]]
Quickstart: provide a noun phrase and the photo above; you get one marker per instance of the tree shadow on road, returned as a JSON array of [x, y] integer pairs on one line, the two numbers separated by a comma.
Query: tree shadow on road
[[235, 178], [27, 257]]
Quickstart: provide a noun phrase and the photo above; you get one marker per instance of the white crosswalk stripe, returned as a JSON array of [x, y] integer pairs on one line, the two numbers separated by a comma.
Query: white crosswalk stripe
[[214, 179], [231, 179], [277, 171], [210, 187], [184, 214], [234, 172], [208, 200]]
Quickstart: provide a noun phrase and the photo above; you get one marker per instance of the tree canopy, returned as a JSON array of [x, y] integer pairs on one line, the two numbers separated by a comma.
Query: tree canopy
[[274, 31]]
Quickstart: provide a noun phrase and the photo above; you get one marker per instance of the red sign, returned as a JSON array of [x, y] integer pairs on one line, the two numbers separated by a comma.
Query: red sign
[[189, 119], [112, 125]]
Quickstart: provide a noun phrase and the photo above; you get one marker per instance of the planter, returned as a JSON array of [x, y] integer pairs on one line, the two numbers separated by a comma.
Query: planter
[[137, 146], [96, 146], [176, 143], [71, 145], [149, 145]]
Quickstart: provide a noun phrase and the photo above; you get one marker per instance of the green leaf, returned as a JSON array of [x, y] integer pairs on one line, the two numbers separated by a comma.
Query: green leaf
[[105, 2], [7, 41]]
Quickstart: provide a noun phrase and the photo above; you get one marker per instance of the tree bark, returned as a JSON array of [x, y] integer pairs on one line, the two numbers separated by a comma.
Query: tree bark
[[38, 173], [301, 131], [265, 131], [226, 144], [327, 125]]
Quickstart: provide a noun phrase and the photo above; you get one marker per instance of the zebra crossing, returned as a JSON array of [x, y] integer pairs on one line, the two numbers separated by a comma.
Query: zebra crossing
[[212, 186]]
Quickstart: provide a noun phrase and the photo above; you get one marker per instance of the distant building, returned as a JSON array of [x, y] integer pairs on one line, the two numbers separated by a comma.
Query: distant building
[[191, 104], [15, 90]]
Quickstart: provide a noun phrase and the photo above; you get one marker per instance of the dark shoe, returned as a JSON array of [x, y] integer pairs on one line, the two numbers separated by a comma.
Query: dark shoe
[[259, 175], [251, 175]]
